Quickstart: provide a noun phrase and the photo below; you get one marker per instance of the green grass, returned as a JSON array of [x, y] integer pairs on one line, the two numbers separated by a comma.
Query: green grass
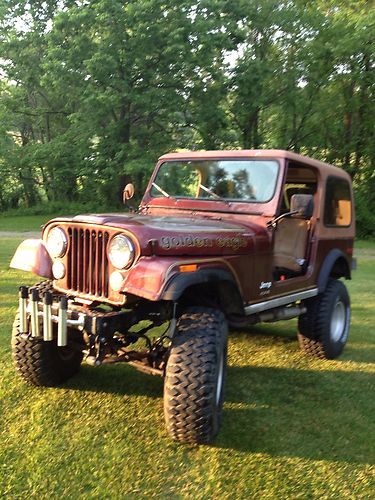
[[293, 427], [33, 222], [23, 222]]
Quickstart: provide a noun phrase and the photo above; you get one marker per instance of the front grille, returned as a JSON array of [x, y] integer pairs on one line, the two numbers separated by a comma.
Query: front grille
[[87, 266]]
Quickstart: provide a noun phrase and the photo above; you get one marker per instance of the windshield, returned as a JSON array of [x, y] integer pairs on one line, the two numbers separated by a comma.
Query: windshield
[[243, 180]]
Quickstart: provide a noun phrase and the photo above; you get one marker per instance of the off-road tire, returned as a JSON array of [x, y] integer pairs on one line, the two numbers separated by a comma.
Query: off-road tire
[[195, 376], [44, 363], [324, 328], [43, 287]]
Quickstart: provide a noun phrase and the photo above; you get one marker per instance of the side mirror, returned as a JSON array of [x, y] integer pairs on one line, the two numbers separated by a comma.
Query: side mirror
[[128, 192], [302, 205]]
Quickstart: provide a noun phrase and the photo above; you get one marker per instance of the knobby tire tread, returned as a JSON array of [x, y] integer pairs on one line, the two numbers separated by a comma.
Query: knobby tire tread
[[191, 413], [38, 362]]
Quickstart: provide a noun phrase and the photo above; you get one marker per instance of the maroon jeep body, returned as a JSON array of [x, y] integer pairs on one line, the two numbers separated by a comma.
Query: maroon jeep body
[[220, 238]]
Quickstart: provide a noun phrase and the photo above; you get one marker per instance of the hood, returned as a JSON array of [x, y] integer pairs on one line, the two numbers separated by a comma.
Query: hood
[[180, 235]]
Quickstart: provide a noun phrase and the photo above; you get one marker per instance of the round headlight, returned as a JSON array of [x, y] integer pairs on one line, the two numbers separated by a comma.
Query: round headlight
[[57, 242], [58, 270], [116, 280], [121, 252]]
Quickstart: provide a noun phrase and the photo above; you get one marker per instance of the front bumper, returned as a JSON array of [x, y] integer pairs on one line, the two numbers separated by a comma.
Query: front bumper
[[52, 316]]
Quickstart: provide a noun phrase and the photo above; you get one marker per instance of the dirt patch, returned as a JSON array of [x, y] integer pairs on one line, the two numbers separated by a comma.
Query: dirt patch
[[20, 234], [365, 253]]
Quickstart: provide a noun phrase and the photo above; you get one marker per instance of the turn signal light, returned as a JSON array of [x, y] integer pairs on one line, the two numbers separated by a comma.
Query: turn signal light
[[188, 268]]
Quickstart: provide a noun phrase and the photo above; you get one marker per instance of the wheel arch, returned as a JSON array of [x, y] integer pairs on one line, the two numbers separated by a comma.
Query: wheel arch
[[205, 286], [336, 265]]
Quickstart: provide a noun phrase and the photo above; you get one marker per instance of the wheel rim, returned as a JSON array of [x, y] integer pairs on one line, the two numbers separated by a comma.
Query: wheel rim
[[338, 321], [220, 376]]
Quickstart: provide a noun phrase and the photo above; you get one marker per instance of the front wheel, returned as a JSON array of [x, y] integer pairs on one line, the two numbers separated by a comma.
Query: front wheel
[[195, 376], [324, 328], [43, 363]]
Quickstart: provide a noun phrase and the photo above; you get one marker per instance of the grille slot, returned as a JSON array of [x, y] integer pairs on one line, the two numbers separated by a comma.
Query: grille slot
[[87, 261]]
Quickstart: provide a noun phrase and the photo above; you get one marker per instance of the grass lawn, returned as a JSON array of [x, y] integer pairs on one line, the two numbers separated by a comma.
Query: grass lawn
[[23, 222], [293, 427]]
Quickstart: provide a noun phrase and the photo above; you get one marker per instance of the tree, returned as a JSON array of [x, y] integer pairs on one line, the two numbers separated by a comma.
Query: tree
[[92, 92]]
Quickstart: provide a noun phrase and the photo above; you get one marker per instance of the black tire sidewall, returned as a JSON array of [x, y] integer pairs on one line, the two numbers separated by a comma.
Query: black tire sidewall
[[315, 325], [336, 291], [222, 354]]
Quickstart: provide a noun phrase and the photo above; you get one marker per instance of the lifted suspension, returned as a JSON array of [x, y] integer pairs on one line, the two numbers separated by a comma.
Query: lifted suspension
[[107, 334], [151, 360]]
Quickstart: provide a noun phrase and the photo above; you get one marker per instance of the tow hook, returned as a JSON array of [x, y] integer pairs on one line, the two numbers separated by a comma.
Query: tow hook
[[97, 350]]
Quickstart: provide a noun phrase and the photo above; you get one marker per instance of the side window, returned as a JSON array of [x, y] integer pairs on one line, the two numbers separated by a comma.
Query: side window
[[299, 180], [338, 204]]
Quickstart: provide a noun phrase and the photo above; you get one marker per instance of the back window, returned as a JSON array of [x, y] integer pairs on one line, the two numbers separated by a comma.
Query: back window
[[338, 204]]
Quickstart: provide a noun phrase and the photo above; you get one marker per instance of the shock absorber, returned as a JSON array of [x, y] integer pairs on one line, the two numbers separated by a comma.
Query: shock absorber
[[23, 296], [62, 327], [34, 319], [47, 317]]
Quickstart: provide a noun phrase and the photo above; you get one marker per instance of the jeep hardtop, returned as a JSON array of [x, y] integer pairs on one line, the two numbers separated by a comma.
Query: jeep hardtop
[[220, 238]]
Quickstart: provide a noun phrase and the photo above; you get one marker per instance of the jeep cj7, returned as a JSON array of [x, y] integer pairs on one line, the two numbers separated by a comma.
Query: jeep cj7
[[220, 238]]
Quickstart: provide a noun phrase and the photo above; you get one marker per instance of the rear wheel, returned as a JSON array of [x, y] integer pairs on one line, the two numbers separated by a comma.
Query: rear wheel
[[195, 376], [324, 328]]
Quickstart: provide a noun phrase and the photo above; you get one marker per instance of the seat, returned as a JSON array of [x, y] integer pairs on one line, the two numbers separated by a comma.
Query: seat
[[291, 236]]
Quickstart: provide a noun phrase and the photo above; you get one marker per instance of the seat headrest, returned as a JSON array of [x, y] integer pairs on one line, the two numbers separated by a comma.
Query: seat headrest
[[303, 204]]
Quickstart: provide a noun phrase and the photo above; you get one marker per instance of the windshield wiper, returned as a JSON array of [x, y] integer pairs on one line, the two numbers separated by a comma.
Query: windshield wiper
[[212, 193], [164, 193]]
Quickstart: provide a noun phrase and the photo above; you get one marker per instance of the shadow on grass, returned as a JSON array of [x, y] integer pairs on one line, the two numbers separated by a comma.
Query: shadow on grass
[[126, 380], [355, 350], [283, 412], [116, 379], [359, 353], [286, 333], [320, 415]]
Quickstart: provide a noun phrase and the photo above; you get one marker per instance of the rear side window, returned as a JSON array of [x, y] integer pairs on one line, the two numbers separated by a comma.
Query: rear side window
[[338, 204]]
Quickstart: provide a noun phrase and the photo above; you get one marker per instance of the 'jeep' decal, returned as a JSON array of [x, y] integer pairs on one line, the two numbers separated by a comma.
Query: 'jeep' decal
[[265, 285]]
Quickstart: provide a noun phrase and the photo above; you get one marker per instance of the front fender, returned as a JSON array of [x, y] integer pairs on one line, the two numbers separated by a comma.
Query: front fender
[[178, 283], [32, 255], [156, 278]]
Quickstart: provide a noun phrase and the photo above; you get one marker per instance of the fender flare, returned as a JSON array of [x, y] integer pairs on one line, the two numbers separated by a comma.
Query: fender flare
[[176, 286], [327, 266]]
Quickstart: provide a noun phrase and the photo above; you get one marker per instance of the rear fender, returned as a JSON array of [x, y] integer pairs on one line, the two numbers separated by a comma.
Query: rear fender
[[32, 255], [335, 265]]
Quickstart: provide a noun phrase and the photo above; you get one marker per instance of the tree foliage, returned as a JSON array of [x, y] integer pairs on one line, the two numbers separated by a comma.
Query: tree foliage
[[92, 91]]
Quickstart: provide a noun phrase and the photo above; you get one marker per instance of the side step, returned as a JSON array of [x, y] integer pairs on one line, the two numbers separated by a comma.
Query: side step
[[280, 301]]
